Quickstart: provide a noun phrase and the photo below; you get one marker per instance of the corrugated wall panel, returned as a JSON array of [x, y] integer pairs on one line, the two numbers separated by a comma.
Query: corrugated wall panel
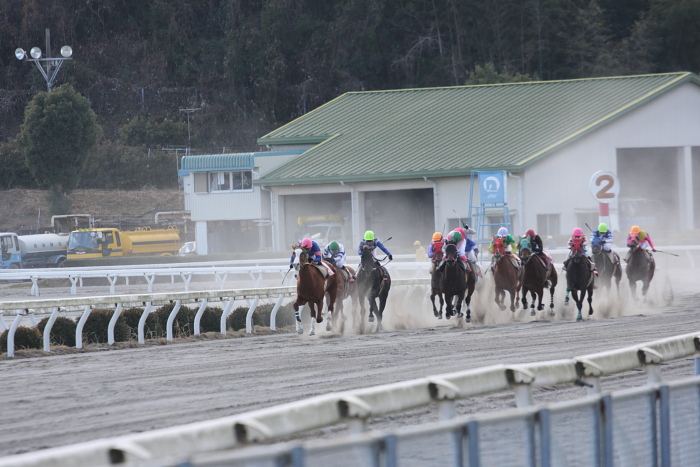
[[225, 206]]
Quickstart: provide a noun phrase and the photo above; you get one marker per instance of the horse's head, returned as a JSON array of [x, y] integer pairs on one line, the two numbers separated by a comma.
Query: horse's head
[[302, 257], [437, 256], [525, 250], [633, 240], [367, 258], [498, 250], [576, 246], [450, 252]]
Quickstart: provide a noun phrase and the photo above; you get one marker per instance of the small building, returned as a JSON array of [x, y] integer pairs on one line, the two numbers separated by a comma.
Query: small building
[[402, 162]]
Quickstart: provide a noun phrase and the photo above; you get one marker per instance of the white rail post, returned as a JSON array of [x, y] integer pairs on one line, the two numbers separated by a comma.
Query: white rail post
[[35, 286], [444, 393], [47, 329], [112, 278], [11, 332], [150, 278], [198, 316], [186, 278], [79, 328], [225, 314], [273, 314], [221, 278], [652, 363], [3, 324], [73, 284], [522, 380], [171, 318], [112, 323], [589, 374], [142, 323], [249, 315]]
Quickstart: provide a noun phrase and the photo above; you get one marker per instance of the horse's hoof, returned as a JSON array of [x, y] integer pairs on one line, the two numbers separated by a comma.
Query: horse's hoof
[[551, 312], [540, 307], [371, 319], [566, 302], [460, 314], [300, 331], [312, 333], [467, 320], [532, 312], [502, 307], [298, 319], [435, 313], [328, 327], [590, 312], [579, 319], [525, 306]]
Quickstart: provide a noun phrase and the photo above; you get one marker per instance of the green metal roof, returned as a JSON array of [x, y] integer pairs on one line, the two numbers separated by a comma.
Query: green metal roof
[[412, 133], [243, 160]]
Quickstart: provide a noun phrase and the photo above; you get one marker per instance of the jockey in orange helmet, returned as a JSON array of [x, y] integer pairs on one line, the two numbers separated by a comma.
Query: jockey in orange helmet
[[644, 242], [435, 244], [578, 241]]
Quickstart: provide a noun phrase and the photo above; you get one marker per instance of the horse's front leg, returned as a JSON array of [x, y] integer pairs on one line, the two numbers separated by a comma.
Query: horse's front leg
[[372, 305], [460, 298], [435, 310], [449, 305], [312, 312], [500, 298], [513, 298], [467, 302], [523, 299], [590, 301], [297, 313], [540, 306], [551, 301], [579, 303]]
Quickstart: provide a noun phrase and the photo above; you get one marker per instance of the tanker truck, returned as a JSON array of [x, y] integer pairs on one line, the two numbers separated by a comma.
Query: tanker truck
[[103, 242], [33, 251]]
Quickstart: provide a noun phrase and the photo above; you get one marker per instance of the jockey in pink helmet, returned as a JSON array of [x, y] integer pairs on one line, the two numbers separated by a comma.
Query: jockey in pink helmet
[[311, 248], [578, 241]]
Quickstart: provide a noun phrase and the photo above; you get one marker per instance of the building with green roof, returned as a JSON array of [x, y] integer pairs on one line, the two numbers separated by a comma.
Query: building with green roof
[[401, 162]]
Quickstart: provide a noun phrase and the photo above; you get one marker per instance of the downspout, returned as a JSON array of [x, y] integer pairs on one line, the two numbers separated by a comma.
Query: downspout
[[354, 214], [521, 213], [435, 202], [273, 224]]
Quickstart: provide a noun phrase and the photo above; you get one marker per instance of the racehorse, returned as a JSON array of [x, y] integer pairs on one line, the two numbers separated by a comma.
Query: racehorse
[[579, 278], [607, 269], [312, 287], [639, 268], [344, 290], [436, 285], [371, 285], [536, 273], [454, 282], [505, 275]]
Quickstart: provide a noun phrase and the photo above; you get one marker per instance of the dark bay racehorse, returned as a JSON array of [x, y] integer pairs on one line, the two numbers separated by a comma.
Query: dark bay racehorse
[[454, 282], [607, 269], [579, 278], [536, 272], [312, 287], [371, 285], [505, 276], [639, 268], [436, 284], [344, 290]]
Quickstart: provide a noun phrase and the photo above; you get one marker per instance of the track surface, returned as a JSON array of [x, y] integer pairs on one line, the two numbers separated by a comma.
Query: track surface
[[65, 399]]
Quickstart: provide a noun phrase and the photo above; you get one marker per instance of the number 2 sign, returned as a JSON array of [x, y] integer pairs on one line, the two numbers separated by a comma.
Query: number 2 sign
[[604, 186]]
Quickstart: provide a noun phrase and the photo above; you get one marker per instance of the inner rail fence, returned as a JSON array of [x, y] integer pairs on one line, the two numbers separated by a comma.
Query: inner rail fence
[[224, 270], [22, 309], [654, 425]]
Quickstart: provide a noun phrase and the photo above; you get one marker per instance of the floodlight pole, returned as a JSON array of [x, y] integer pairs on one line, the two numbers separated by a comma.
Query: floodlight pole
[[55, 62], [189, 138]]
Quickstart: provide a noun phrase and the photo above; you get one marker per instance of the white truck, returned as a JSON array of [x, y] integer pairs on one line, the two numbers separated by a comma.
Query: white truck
[[33, 251], [323, 228]]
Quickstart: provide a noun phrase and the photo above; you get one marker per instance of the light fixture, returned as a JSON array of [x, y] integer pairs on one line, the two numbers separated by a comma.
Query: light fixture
[[47, 66], [66, 51], [20, 54], [35, 52]]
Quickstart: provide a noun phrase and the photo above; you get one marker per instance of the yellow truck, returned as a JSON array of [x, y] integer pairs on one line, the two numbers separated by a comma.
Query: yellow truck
[[103, 242]]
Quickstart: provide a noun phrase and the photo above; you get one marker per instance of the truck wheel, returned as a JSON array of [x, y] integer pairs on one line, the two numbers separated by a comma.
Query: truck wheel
[[60, 263]]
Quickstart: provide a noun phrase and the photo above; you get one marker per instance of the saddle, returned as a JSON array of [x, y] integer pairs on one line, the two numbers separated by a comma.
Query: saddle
[[325, 267]]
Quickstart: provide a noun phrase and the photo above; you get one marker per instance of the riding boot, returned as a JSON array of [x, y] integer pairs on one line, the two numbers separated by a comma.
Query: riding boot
[[464, 266], [566, 264], [593, 269], [351, 277]]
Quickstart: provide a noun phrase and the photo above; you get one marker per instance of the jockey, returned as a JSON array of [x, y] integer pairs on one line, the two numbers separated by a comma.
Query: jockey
[[578, 241], [435, 245], [334, 253], [535, 242], [644, 242], [310, 247], [605, 237], [508, 244], [455, 238], [371, 242]]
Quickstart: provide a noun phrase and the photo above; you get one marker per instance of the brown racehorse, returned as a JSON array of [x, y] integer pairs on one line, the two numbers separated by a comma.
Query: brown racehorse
[[639, 268], [436, 284], [536, 272], [344, 290], [505, 276], [312, 287]]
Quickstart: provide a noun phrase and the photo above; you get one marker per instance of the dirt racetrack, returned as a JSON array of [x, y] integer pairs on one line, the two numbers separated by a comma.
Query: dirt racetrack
[[64, 399]]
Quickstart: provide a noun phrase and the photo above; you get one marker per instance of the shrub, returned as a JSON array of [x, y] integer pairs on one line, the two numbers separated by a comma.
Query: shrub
[[285, 315], [183, 326], [211, 320], [236, 320], [95, 329], [62, 331], [25, 338], [151, 330]]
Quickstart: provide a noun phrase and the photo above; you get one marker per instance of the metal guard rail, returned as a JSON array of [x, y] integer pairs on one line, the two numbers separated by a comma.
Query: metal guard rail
[[356, 406], [21, 308]]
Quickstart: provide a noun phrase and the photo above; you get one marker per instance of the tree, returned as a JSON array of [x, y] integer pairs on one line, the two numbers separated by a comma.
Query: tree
[[59, 133], [489, 75]]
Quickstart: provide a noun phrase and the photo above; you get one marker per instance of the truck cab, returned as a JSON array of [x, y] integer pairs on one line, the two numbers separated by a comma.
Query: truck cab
[[94, 243], [11, 253]]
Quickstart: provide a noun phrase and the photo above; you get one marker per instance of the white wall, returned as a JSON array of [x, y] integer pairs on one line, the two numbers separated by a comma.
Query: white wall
[[559, 183]]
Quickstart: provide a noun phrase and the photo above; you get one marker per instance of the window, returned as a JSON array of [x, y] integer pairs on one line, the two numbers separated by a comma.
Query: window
[[548, 224], [240, 180]]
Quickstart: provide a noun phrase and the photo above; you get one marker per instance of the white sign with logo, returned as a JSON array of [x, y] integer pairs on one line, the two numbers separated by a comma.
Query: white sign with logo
[[604, 186], [493, 187]]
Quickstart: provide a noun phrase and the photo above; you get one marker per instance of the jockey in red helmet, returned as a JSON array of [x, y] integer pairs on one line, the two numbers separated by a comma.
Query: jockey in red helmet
[[578, 241]]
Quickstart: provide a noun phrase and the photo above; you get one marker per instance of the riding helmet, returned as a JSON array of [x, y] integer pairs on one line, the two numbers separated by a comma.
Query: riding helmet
[[437, 236], [455, 237], [502, 231], [635, 229], [603, 227], [306, 243], [577, 232], [369, 235], [333, 246], [530, 233]]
